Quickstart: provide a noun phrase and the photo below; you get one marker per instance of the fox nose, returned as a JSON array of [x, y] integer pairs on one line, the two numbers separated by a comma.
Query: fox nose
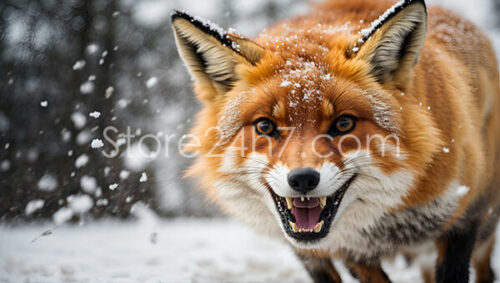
[[303, 180]]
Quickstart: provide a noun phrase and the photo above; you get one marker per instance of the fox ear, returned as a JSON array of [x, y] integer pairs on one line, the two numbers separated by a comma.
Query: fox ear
[[210, 54], [393, 43]]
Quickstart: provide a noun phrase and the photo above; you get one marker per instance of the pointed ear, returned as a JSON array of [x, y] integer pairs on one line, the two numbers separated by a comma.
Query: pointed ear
[[393, 43], [210, 54]]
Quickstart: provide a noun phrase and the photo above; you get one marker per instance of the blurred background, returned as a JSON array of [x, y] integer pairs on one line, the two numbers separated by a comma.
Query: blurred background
[[71, 69]]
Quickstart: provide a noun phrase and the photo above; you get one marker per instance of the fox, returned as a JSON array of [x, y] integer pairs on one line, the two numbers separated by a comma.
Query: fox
[[355, 132]]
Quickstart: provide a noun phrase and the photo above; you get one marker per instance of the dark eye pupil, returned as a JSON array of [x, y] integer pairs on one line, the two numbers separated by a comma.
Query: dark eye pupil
[[264, 127], [344, 124]]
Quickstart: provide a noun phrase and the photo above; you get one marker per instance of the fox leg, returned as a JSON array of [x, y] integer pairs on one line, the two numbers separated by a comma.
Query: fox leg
[[481, 261], [454, 256], [320, 269], [367, 273]]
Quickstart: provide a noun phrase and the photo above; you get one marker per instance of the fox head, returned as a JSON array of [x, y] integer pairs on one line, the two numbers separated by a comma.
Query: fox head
[[305, 124]]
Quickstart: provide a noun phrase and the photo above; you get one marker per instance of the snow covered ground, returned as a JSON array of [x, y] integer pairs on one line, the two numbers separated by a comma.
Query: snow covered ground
[[181, 250]]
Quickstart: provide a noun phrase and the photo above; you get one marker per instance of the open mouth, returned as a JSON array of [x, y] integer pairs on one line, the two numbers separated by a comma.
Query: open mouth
[[309, 218]]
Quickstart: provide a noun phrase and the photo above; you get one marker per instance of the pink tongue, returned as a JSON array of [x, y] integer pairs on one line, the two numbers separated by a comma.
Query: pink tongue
[[306, 212]]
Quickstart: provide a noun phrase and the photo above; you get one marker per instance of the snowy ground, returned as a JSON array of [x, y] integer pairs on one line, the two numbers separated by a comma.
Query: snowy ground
[[182, 250]]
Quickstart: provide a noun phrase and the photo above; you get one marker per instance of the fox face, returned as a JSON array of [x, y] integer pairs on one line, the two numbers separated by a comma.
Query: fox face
[[306, 131]]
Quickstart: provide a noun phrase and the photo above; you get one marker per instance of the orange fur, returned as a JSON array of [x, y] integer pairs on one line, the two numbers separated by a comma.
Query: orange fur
[[450, 100]]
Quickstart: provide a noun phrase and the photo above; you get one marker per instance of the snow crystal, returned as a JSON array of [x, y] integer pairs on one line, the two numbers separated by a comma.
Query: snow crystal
[[87, 87], [44, 103], [5, 165], [95, 114], [211, 26], [102, 202], [62, 215], [78, 119], [81, 161], [81, 204], [88, 184], [446, 150], [285, 83], [143, 178], [124, 174], [47, 183], [375, 24], [235, 46], [92, 48], [151, 82], [96, 143], [109, 92], [33, 206], [462, 190], [83, 137], [79, 65], [113, 186]]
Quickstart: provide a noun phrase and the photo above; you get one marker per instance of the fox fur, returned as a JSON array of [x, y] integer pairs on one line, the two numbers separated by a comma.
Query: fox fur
[[423, 79]]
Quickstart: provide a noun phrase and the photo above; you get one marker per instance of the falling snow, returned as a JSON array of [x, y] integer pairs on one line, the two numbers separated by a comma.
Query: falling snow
[[95, 114], [151, 82], [97, 143]]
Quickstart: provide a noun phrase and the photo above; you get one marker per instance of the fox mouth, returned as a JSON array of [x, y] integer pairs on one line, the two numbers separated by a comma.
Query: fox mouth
[[309, 218]]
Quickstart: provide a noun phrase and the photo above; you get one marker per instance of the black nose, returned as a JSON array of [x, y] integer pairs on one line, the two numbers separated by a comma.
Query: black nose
[[303, 179]]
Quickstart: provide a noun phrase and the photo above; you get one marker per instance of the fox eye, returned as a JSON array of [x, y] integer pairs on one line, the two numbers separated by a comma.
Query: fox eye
[[343, 125], [265, 127]]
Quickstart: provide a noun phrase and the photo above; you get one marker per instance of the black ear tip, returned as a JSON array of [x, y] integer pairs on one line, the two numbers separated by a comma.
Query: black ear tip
[[179, 14]]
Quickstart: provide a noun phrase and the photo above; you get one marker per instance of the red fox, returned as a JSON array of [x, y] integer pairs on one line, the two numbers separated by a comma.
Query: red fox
[[358, 131]]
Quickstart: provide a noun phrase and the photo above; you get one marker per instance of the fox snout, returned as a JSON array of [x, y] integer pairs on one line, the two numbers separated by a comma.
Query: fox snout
[[303, 180]]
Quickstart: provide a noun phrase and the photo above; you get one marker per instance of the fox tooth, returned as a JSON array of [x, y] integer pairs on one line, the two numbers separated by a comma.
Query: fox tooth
[[289, 203], [301, 198], [318, 226], [322, 201], [294, 226], [308, 198]]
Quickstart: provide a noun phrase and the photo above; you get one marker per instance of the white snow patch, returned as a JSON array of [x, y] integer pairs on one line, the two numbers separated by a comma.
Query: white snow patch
[[47, 183], [44, 103], [446, 150], [462, 190], [96, 143], [113, 186], [33, 206], [166, 251], [285, 84]]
